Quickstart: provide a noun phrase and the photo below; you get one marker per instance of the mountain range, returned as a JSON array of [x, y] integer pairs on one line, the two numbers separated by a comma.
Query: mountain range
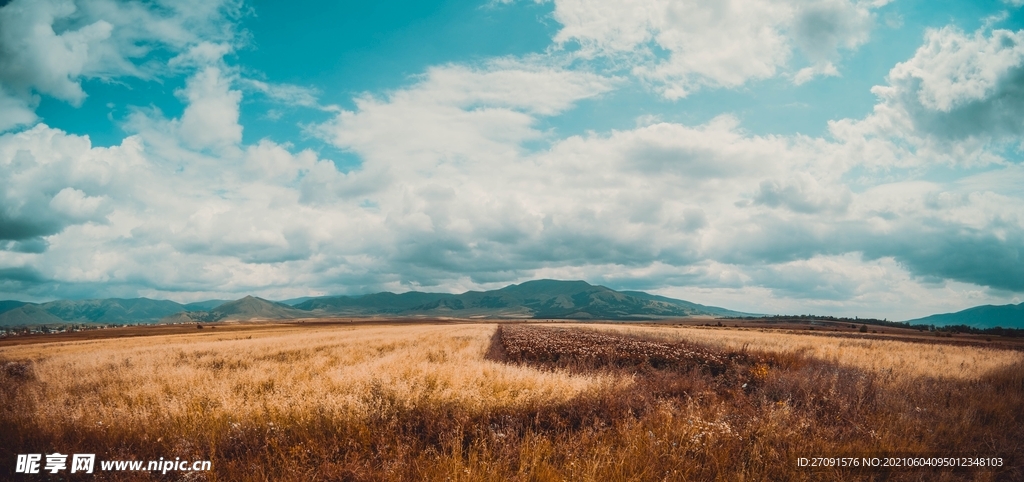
[[248, 308], [532, 299], [116, 311], [985, 316]]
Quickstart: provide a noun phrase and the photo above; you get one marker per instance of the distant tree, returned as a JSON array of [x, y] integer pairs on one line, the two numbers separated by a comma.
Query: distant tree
[[863, 328]]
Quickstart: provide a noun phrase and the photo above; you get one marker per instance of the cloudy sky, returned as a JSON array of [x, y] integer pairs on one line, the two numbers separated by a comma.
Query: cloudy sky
[[845, 157]]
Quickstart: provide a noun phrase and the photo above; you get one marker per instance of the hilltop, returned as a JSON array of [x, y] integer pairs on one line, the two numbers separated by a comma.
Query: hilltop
[[248, 308]]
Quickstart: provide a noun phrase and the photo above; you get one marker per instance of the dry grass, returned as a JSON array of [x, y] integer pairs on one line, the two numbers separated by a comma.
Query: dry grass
[[462, 402], [273, 372], [904, 360]]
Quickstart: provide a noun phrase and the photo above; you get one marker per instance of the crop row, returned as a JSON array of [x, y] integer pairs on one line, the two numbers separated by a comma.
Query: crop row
[[590, 349]]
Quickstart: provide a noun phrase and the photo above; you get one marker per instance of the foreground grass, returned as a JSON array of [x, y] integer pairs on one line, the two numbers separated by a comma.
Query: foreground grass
[[467, 402]]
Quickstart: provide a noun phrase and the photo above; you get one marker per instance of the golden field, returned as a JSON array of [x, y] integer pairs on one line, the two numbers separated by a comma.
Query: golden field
[[463, 402], [895, 359]]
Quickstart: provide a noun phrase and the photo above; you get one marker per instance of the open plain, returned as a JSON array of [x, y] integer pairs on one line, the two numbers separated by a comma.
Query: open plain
[[405, 400]]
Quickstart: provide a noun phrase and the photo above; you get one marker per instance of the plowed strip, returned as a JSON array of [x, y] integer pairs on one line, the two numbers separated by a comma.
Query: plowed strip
[[579, 348]]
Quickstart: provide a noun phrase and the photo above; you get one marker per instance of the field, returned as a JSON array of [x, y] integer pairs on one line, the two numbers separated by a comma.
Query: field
[[483, 401]]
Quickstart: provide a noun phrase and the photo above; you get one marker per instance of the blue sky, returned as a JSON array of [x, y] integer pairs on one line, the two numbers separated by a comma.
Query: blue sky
[[828, 156]]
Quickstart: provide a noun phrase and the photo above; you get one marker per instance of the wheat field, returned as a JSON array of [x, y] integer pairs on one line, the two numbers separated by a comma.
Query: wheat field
[[895, 359], [449, 402]]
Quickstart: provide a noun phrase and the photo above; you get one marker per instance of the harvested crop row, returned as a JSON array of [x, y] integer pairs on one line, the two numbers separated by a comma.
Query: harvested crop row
[[578, 348]]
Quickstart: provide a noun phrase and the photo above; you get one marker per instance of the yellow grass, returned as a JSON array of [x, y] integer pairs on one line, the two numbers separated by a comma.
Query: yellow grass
[[415, 402], [311, 370], [893, 359]]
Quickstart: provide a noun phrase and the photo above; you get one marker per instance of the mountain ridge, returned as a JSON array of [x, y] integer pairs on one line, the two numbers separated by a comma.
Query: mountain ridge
[[542, 298], [531, 299], [103, 311], [983, 316]]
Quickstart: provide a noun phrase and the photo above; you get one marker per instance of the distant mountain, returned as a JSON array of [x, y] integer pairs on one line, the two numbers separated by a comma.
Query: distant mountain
[[204, 305], [532, 299], [27, 315], [248, 308], [253, 307], [295, 301], [714, 310], [382, 303], [112, 310], [986, 316], [8, 305]]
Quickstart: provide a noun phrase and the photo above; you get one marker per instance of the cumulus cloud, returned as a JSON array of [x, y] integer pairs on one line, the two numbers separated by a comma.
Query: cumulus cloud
[[714, 44], [953, 69], [211, 118], [146, 213], [956, 101], [51, 181], [76, 206], [15, 110], [659, 205], [952, 231], [458, 198], [457, 112], [662, 204], [820, 29], [36, 57], [49, 46], [803, 193]]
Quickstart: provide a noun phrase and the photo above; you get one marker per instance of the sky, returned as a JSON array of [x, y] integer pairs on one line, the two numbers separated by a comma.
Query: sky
[[832, 157]]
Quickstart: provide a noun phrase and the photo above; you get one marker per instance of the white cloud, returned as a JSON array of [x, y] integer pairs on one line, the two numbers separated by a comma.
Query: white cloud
[[714, 44], [78, 206], [661, 193], [801, 192], [211, 118], [201, 55], [953, 69], [33, 56], [806, 74], [16, 110], [459, 113], [768, 217], [142, 213], [49, 46], [956, 101], [52, 181], [821, 28], [844, 285], [289, 94]]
